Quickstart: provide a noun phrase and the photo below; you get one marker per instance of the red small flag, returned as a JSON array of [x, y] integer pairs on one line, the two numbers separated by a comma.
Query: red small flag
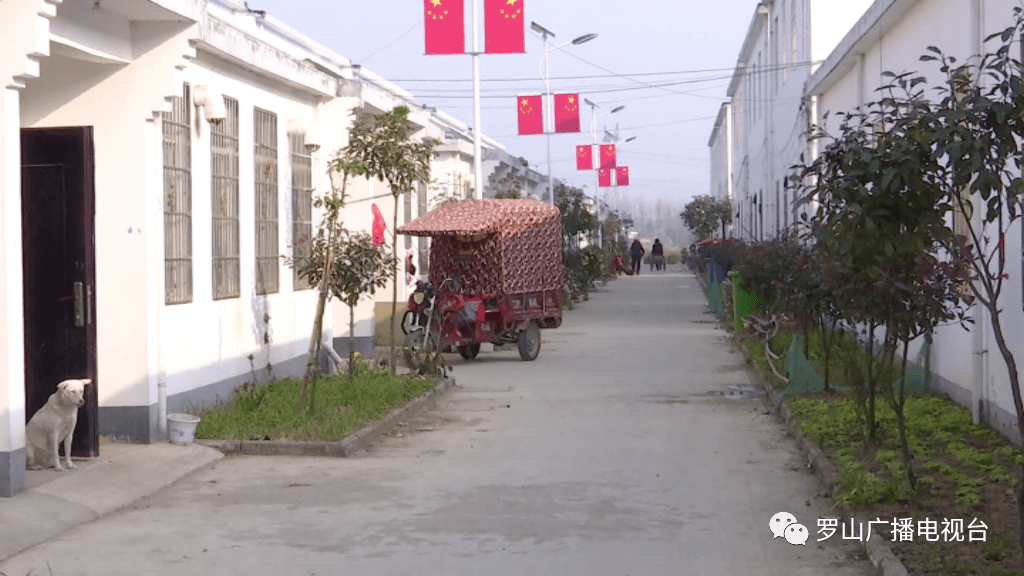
[[504, 29], [379, 226], [604, 177], [531, 115], [567, 113], [607, 155], [622, 176], [444, 26], [584, 157]]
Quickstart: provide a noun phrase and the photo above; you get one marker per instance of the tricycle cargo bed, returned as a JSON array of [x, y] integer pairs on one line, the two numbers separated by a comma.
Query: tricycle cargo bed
[[497, 247]]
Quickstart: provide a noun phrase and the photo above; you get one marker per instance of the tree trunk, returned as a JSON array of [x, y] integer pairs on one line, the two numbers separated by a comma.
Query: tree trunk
[[901, 421], [1018, 404], [394, 287], [870, 412], [321, 303], [351, 341], [828, 339]]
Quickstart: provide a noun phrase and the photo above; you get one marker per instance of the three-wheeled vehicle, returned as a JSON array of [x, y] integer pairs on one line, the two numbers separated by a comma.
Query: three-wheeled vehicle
[[495, 275]]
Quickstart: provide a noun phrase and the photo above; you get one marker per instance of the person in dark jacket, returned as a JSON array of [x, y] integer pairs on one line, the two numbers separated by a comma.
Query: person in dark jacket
[[636, 252], [657, 255]]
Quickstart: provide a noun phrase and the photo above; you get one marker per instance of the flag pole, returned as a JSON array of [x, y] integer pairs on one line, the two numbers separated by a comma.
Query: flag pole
[[477, 132], [597, 173]]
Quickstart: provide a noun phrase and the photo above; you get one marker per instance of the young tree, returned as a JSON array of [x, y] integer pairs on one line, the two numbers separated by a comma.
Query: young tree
[[725, 213], [508, 186], [704, 213], [882, 214], [384, 149], [978, 128], [345, 167], [359, 267], [576, 217]]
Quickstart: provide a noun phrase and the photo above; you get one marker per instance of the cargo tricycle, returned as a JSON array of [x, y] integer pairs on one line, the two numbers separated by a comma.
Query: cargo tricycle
[[495, 276]]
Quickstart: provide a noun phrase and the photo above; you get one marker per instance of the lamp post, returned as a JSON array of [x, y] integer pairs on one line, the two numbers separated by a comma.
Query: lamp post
[[593, 134], [546, 75], [608, 136], [615, 138]]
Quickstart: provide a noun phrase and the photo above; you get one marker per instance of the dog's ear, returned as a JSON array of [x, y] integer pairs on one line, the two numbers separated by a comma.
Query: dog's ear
[[62, 386], [86, 381]]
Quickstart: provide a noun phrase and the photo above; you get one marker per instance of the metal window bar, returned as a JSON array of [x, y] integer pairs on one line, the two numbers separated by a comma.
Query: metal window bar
[[224, 195], [302, 206], [265, 165], [177, 147]]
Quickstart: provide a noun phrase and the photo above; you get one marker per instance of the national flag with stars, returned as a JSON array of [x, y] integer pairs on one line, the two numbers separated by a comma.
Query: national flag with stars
[[584, 157], [622, 176], [444, 26], [604, 177], [504, 29], [379, 225], [608, 156], [567, 113], [531, 115]]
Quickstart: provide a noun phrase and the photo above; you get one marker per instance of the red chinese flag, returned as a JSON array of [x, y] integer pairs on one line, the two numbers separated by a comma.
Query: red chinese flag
[[504, 31], [607, 155], [622, 176], [531, 115], [604, 177], [379, 225], [444, 26], [567, 113], [584, 157]]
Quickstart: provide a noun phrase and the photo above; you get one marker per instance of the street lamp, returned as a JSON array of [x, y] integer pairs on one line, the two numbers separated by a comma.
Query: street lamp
[[546, 75], [593, 133], [615, 138]]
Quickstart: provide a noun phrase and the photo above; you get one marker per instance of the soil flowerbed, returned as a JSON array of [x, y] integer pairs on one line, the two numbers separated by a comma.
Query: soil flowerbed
[[962, 517]]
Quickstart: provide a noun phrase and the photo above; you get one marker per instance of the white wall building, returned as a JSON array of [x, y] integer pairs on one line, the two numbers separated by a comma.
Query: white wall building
[[891, 36], [850, 46], [759, 132], [150, 255]]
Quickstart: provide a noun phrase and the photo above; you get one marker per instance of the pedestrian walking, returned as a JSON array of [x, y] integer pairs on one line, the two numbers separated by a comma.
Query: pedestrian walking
[[636, 252], [657, 255]]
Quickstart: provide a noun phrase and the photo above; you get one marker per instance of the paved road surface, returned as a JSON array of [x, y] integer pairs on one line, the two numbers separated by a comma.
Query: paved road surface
[[605, 456]]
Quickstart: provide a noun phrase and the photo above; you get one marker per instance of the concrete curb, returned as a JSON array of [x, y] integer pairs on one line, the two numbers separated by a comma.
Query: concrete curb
[[345, 447], [881, 556]]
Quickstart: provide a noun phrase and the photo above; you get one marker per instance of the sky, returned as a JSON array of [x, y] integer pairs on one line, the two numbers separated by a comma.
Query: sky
[[669, 63]]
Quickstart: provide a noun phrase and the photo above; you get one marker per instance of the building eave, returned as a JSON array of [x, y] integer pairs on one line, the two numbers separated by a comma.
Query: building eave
[[879, 18], [225, 41], [719, 122], [753, 32]]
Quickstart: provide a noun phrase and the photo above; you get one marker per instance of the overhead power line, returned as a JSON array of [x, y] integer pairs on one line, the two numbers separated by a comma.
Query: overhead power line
[[764, 69]]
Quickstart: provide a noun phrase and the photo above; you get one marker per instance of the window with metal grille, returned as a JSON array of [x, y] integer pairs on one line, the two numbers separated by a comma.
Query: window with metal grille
[[224, 196], [424, 245], [265, 164], [177, 141], [302, 206], [962, 216]]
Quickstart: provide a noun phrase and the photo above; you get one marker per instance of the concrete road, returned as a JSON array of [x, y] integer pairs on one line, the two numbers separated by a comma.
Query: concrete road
[[605, 456]]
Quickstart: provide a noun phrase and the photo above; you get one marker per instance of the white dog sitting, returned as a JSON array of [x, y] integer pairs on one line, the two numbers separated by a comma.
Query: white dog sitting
[[52, 423]]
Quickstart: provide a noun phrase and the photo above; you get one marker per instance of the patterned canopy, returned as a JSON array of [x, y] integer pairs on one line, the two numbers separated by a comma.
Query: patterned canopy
[[494, 246], [472, 217]]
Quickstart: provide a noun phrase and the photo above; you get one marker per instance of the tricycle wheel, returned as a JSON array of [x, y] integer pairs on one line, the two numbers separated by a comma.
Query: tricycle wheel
[[469, 352], [529, 342]]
